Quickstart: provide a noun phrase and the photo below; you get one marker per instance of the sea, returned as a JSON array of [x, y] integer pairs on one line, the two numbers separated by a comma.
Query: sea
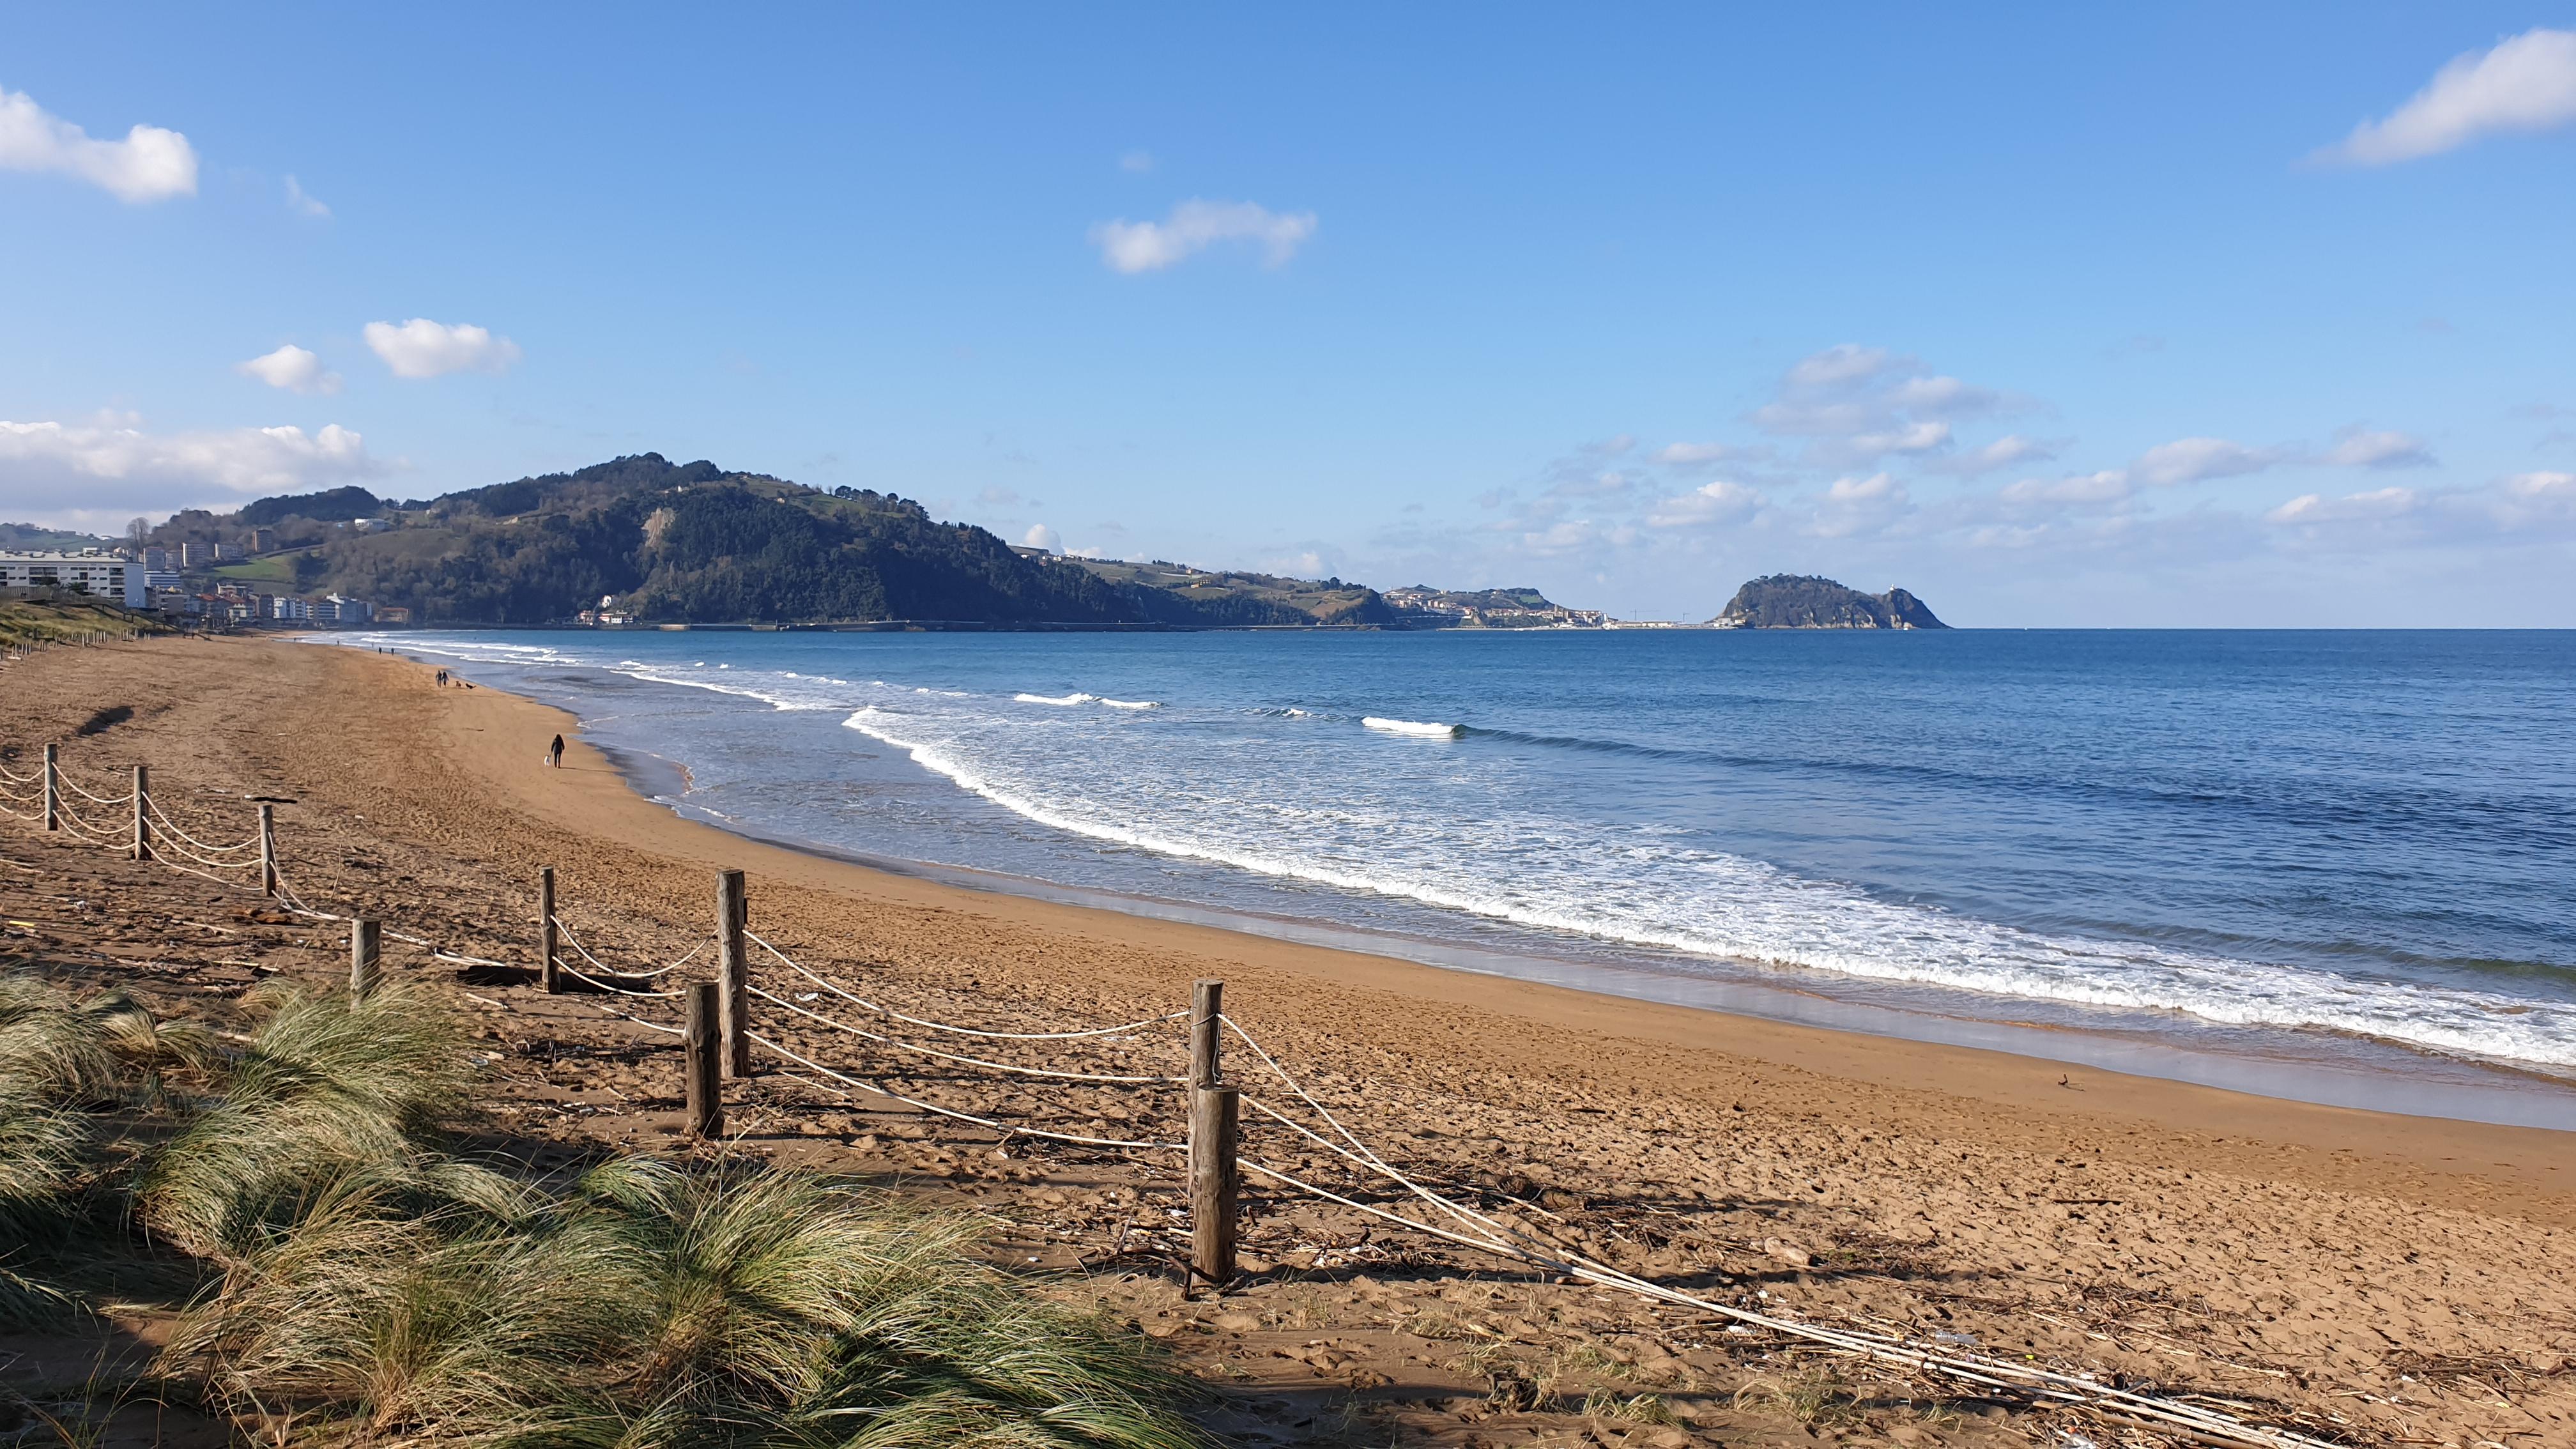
[[2335, 866]]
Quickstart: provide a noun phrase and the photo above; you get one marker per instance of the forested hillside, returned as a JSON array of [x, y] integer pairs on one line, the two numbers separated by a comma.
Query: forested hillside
[[693, 543]]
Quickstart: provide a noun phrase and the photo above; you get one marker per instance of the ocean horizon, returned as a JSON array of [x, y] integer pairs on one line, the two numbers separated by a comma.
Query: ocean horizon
[[2324, 864]]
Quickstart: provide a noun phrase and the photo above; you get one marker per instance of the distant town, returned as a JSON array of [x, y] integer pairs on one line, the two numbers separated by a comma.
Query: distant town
[[185, 584]]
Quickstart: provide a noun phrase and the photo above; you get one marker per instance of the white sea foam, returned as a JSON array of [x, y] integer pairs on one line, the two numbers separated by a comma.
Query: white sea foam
[[1413, 727], [1635, 887], [1058, 699], [1132, 703]]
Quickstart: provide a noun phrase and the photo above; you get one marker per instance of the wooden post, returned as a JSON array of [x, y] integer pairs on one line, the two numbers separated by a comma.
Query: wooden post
[[1216, 1124], [704, 1088], [142, 821], [53, 788], [1207, 1010], [1216, 1120], [268, 850], [733, 1000], [546, 930], [363, 957]]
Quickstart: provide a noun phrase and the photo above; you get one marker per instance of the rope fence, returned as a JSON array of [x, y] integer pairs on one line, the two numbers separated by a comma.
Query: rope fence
[[717, 1041]]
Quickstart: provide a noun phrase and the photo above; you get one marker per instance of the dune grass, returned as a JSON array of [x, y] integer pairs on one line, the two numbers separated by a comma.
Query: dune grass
[[368, 1285]]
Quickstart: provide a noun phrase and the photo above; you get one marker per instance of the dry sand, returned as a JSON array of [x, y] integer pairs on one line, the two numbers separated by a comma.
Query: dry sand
[[2381, 1278]]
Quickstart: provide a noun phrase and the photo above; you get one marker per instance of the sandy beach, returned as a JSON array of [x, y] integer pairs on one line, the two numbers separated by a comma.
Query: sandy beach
[[2386, 1279]]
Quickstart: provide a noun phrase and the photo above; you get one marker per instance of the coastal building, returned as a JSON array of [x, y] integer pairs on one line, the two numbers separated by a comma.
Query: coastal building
[[99, 574], [333, 609], [263, 540], [288, 609]]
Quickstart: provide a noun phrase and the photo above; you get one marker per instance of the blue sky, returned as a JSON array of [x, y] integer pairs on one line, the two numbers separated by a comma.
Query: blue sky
[[2051, 314]]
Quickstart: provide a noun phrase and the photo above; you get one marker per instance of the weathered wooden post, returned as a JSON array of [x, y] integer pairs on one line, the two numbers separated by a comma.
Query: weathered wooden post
[[364, 956], [704, 1088], [546, 930], [268, 850], [142, 821], [1215, 1129], [53, 788], [733, 975]]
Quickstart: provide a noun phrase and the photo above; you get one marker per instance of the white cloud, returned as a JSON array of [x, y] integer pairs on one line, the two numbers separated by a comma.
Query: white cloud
[[1684, 453], [422, 348], [2358, 448], [1712, 503], [2526, 83], [2003, 452], [303, 203], [292, 368], [150, 164], [1136, 161], [1193, 226], [1862, 490], [111, 468], [1859, 404], [1860, 505], [2108, 486], [2196, 460], [2316, 508], [1911, 438], [1845, 362], [1041, 536]]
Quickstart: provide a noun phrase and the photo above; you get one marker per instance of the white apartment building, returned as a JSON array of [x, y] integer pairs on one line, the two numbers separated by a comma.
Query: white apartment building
[[116, 579]]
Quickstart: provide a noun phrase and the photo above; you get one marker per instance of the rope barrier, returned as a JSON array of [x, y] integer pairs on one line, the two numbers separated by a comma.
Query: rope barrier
[[72, 820], [153, 804], [579, 975], [867, 1086], [954, 1057], [1501, 1239], [836, 990], [64, 777], [12, 777], [575, 942]]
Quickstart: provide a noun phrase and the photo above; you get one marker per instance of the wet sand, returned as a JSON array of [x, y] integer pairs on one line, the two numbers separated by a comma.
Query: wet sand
[[2414, 1278]]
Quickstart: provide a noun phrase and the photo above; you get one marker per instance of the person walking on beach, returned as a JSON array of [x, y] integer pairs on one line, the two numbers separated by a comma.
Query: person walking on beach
[[554, 753]]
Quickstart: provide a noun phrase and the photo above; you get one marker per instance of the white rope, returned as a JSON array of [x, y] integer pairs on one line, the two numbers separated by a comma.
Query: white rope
[[162, 843], [65, 778], [2042, 1382], [154, 805], [867, 1086], [14, 778], [439, 952], [954, 1057], [80, 826], [578, 974], [836, 990], [613, 971], [639, 1021], [1494, 1236]]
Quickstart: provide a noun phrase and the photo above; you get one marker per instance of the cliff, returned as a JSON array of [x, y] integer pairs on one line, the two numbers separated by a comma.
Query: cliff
[[1802, 601]]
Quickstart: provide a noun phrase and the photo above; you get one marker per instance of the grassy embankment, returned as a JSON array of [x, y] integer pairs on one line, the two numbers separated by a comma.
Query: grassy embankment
[[68, 618], [342, 1273]]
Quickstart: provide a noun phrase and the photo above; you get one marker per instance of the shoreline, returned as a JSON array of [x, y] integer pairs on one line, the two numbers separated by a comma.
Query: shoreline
[[2449, 1089], [600, 800]]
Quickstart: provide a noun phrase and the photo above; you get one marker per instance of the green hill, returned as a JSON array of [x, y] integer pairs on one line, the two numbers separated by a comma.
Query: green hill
[[694, 543], [1803, 601]]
